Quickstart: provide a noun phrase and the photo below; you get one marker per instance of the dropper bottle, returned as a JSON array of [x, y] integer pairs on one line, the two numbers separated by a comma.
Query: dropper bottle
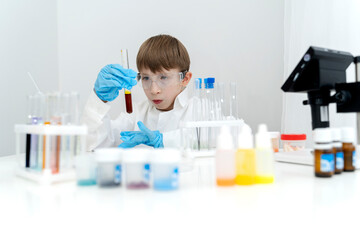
[[264, 156], [225, 158], [245, 158]]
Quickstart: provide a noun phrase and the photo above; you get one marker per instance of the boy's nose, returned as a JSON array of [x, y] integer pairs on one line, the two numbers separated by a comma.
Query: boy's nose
[[155, 89]]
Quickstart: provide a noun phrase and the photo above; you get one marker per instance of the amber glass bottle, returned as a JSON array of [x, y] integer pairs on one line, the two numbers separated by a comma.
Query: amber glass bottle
[[348, 137], [337, 149], [323, 153], [349, 153]]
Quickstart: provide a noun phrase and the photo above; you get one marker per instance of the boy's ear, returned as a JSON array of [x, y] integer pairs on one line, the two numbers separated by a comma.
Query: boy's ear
[[186, 79]]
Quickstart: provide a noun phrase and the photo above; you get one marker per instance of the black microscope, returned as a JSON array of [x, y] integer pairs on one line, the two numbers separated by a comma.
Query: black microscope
[[319, 72]]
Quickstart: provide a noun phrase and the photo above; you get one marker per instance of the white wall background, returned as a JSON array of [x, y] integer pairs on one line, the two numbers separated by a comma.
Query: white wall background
[[28, 42], [65, 44]]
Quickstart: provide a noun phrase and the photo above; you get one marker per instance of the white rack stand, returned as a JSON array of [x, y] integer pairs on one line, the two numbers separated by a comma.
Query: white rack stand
[[187, 150], [304, 156], [46, 176]]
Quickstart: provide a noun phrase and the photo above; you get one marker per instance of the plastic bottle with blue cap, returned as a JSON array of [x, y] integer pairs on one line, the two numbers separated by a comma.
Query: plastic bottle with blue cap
[[197, 112], [209, 105], [210, 97]]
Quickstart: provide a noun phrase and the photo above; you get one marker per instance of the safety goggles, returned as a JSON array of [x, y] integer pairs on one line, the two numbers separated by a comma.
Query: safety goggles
[[163, 80]]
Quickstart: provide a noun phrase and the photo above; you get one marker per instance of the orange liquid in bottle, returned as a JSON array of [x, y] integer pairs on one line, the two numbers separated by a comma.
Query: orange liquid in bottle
[[225, 182]]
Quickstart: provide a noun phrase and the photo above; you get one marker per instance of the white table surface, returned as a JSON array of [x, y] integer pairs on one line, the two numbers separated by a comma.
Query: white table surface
[[295, 206]]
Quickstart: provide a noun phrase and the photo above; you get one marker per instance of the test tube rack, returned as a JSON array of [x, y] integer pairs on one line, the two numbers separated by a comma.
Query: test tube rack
[[45, 176], [192, 132]]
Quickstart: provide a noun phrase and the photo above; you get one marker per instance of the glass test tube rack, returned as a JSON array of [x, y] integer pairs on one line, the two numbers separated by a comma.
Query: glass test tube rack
[[198, 138], [70, 141]]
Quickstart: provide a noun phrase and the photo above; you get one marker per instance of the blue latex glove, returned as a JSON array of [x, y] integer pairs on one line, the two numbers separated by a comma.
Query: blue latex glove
[[145, 136], [111, 79]]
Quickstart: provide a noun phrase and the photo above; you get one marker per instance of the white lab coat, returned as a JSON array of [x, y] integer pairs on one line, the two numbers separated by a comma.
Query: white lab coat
[[104, 132]]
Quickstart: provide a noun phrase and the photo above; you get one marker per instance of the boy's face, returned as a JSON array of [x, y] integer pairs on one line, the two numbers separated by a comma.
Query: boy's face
[[162, 87]]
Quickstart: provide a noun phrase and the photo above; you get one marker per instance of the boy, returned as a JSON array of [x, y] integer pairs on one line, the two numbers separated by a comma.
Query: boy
[[163, 63]]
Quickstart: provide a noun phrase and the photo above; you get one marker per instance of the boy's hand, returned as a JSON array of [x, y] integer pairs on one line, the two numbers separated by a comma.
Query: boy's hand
[[111, 79], [145, 136]]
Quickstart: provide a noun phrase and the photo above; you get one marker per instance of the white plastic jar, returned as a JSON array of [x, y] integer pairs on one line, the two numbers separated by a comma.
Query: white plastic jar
[[85, 169], [109, 170], [165, 169], [293, 142], [136, 168]]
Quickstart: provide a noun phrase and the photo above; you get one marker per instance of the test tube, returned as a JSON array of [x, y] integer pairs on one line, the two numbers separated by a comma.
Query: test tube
[[221, 101], [55, 119], [125, 64], [233, 100], [197, 111], [74, 141], [41, 111], [35, 139], [30, 107], [210, 105]]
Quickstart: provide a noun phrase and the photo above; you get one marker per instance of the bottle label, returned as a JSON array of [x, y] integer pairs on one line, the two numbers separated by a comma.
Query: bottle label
[[146, 172], [117, 174], [340, 160], [327, 163], [354, 158], [175, 177]]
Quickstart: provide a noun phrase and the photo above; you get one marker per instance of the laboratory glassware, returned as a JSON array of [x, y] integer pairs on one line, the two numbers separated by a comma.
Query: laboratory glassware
[[197, 113], [209, 105], [233, 100], [30, 106], [220, 101], [125, 64]]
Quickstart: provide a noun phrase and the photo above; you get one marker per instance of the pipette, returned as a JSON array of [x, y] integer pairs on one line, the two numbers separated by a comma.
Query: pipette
[[36, 86], [125, 64]]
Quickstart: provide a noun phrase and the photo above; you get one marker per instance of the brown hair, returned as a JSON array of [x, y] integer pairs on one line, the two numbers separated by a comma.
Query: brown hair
[[162, 52]]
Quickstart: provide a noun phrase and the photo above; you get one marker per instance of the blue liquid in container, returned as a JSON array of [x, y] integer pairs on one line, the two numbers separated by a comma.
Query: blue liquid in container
[[166, 184], [86, 182]]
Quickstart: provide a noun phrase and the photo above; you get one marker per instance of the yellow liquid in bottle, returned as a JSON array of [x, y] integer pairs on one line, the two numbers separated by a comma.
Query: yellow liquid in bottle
[[264, 161], [245, 167], [264, 179]]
